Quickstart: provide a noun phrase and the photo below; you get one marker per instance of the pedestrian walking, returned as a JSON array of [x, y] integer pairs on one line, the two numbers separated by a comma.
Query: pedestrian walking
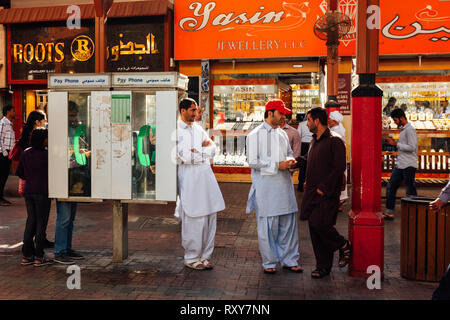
[[406, 163], [306, 137], [272, 194], [7, 140], [335, 124], [79, 184], [33, 168], [324, 180], [199, 193]]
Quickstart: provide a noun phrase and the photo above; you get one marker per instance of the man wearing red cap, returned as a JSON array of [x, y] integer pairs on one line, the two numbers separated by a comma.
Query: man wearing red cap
[[272, 193]]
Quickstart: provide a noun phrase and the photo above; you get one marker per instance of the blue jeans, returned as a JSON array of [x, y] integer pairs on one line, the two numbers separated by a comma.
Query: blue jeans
[[65, 215], [398, 175]]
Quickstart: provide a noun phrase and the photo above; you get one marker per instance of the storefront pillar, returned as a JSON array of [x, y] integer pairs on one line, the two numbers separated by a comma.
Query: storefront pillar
[[366, 224], [120, 231]]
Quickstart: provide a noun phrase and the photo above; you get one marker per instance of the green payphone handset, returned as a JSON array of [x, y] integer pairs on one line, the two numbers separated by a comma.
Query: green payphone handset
[[144, 158], [79, 157]]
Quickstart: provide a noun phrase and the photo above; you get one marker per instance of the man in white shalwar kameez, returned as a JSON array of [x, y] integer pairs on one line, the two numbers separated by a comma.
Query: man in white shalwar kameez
[[335, 124], [199, 193], [272, 193]]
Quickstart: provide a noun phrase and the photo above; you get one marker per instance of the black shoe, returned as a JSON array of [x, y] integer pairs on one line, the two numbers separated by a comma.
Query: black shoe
[[49, 244], [39, 262], [72, 254], [4, 202], [63, 259]]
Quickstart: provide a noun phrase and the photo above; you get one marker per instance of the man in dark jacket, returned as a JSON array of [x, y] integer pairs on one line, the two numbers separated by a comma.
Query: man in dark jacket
[[326, 162]]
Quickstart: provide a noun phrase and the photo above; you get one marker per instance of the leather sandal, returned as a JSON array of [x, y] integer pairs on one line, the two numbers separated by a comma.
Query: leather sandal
[[388, 216], [208, 265], [296, 269], [319, 273], [270, 270], [196, 265], [344, 254]]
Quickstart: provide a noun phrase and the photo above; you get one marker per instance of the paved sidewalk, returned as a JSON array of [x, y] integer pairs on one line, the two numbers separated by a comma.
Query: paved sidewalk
[[154, 268]]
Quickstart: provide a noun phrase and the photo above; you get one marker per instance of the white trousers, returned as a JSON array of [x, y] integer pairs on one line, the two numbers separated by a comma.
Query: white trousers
[[197, 236], [278, 240], [344, 193]]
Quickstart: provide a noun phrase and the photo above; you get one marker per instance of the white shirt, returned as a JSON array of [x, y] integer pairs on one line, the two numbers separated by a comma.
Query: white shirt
[[339, 129], [7, 136], [199, 191], [272, 191], [305, 134], [407, 148]]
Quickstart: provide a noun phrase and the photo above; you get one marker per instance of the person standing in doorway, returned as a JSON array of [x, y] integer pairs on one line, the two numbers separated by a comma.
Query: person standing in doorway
[[306, 137], [324, 179], [7, 140], [272, 194], [199, 193], [406, 164]]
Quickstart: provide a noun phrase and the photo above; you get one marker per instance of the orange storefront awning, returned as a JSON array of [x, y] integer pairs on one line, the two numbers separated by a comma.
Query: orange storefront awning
[[87, 11]]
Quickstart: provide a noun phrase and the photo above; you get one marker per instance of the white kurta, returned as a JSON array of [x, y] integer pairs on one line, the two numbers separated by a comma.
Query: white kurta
[[199, 191], [199, 197], [272, 196], [341, 131]]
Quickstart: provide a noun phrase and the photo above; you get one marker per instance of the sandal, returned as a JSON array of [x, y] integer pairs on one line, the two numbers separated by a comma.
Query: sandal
[[208, 265], [196, 265], [296, 269], [270, 270], [388, 216], [319, 273], [344, 254], [27, 261]]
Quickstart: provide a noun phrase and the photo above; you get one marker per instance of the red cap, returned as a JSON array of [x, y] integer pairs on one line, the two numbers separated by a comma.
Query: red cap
[[277, 104]]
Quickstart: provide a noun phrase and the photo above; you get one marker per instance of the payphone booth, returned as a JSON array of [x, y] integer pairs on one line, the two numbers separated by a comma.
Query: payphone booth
[[111, 136]]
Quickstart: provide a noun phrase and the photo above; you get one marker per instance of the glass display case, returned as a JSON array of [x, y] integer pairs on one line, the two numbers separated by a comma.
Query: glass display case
[[238, 108], [304, 97]]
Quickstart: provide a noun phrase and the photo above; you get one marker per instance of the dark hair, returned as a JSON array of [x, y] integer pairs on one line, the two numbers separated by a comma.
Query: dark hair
[[332, 104], [266, 113], [391, 101], [24, 140], [319, 113], [38, 136], [404, 107], [186, 103], [6, 109], [398, 113], [73, 106]]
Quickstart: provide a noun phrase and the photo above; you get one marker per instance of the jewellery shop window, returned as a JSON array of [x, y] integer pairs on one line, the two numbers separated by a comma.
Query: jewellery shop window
[[238, 109], [426, 106], [143, 126], [79, 142]]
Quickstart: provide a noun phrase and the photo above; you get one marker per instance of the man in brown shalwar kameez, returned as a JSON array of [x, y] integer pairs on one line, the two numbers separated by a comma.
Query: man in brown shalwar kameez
[[326, 163]]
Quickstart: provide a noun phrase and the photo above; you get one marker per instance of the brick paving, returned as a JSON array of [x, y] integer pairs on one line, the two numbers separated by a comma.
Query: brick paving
[[154, 268]]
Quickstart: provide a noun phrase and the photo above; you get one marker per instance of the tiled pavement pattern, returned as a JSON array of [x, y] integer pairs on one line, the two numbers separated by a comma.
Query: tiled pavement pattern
[[154, 268]]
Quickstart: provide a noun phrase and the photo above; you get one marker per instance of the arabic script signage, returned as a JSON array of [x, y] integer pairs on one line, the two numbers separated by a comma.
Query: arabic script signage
[[207, 29], [68, 81], [144, 80], [136, 46]]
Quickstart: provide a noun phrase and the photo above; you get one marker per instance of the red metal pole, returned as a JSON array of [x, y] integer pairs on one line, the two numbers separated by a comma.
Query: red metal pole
[[366, 225]]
